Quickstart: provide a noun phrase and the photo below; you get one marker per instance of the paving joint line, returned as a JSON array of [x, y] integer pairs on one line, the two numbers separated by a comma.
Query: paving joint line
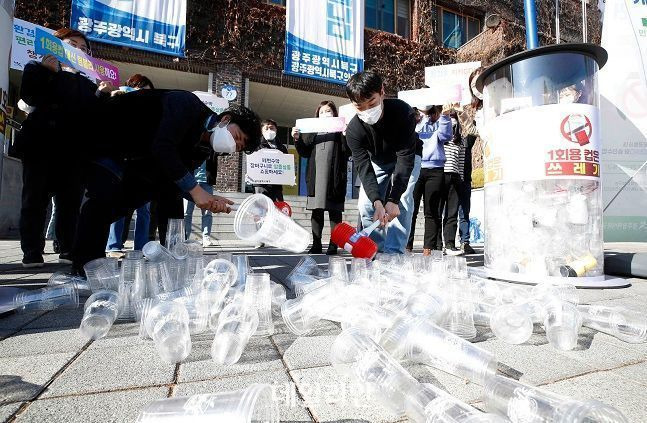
[[173, 384], [47, 384], [609, 369], [296, 387], [15, 331]]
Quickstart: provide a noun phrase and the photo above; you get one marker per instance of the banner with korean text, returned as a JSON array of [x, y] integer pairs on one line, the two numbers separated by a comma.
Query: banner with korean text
[[23, 44], [270, 167], [324, 39], [153, 25]]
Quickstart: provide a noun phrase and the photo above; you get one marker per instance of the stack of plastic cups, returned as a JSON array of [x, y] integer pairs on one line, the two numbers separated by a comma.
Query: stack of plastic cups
[[337, 270], [624, 324], [236, 325], [459, 318], [131, 284], [219, 274], [242, 265], [258, 294], [174, 234], [101, 275], [303, 313], [218, 302], [359, 270], [100, 313], [197, 308], [523, 403], [60, 278], [278, 297], [562, 323], [306, 271], [157, 278], [308, 285], [168, 324], [254, 404], [46, 299], [194, 263], [259, 221]]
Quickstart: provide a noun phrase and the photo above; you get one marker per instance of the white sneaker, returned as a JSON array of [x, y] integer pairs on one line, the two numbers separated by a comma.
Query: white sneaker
[[206, 241]]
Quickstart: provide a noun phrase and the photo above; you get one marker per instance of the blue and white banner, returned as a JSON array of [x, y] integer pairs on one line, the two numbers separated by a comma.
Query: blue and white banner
[[324, 39], [152, 25]]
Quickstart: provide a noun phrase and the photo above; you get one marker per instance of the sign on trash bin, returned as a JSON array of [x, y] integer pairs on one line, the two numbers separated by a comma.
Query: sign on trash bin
[[270, 167]]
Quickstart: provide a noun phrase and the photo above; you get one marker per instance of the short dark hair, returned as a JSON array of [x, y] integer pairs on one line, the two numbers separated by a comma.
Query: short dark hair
[[435, 109], [65, 33], [139, 81], [269, 122], [249, 123], [329, 104], [363, 85]]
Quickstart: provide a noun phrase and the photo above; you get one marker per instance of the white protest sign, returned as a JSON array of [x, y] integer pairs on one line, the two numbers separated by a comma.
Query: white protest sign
[[322, 124], [23, 49], [215, 103], [447, 79], [270, 167], [347, 111], [431, 97]]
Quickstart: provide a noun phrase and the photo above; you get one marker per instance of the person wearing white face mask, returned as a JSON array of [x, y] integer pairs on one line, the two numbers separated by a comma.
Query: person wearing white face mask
[[383, 141], [172, 133], [326, 175], [269, 130]]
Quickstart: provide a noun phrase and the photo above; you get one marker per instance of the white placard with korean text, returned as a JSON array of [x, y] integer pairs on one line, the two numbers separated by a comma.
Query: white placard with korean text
[[321, 125], [451, 79], [270, 167], [215, 103], [23, 48]]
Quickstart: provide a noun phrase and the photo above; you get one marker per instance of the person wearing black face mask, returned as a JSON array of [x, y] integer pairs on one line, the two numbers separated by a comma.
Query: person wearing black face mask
[[269, 130], [155, 158]]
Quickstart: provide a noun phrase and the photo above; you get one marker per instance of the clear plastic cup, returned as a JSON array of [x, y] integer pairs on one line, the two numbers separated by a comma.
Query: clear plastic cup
[[154, 251], [101, 275], [622, 323], [511, 323], [60, 278], [259, 221], [132, 286], [258, 294], [302, 284], [218, 301], [157, 278], [194, 264], [278, 297], [562, 322], [459, 318], [219, 273], [197, 307], [142, 308], [168, 324], [253, 404], [237, 323], [337, 269], [456, 267], [175, 236], [241, 262], [544, 292], [100, 313], [48, 298], [525, 403], [303, 313], [358, 269]]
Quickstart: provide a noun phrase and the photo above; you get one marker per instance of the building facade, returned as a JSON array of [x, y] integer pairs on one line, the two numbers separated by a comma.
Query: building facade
[[241, 43]]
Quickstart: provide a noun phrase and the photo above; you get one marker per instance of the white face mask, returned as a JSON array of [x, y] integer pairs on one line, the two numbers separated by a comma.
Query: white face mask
[[269, 135], [222, 141], [371, 116]]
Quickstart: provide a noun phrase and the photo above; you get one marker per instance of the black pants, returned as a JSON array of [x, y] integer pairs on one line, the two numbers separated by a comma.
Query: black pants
[[43, 178], [418, 192], [274, 192], [452, 187], [317, 223], [112, 189], [464, 203], [432, 181]]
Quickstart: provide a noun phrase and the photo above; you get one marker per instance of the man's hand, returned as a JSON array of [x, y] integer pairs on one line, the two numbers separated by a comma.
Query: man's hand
[[51, 63], [392, 211], [202, 198], [223, 204], [380, 213], [107, 87]]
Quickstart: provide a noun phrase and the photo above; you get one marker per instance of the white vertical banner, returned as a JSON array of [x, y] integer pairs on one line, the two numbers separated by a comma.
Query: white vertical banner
[[623, 101], [324, 39]]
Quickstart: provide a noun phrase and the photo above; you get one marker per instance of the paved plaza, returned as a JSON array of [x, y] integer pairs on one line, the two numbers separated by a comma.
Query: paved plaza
[[49, 373]]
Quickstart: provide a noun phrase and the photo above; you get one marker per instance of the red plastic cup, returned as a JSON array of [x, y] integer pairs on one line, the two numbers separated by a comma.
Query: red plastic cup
[[356, 243], [284, 207]]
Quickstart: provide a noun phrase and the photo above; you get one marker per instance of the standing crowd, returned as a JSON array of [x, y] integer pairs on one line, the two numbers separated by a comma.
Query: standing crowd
[[158, 160]]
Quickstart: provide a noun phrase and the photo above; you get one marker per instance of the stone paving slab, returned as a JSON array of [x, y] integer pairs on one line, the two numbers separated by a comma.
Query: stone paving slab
[[58, 318], [308, 352], [636, 373], [114, 407], [7, 411], [291, 407], [38, 342], [106, 369], [22, 378]]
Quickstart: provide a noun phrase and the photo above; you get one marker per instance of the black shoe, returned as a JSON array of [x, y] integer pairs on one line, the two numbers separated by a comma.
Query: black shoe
[[467, 248], [453, 251], [57, 247], [65, 258], [332, 250], [34, 261], [315, 249]]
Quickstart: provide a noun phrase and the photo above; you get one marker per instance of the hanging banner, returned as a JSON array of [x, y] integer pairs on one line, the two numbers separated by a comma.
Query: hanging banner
[[270, 167], [152, 25], [623, 104], [23, 44], [95, 69], [324, 39], [450, 81]]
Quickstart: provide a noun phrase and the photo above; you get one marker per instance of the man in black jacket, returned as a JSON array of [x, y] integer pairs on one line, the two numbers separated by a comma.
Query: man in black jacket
[[157, 139], [383, 141]]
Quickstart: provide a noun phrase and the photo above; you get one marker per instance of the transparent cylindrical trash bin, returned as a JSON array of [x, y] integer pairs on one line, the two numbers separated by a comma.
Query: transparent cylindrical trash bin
[[541, 134]]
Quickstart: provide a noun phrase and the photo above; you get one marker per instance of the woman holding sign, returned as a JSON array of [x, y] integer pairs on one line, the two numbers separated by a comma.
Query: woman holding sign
[[326, 175]]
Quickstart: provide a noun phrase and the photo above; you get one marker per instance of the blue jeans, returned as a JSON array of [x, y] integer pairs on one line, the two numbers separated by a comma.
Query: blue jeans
[[142, 221], [397, 233], [464, 198], [207, 216]]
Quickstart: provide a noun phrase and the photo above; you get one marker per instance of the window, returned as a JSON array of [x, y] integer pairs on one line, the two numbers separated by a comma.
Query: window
[[456, 28], [279, 2], [389, 15]]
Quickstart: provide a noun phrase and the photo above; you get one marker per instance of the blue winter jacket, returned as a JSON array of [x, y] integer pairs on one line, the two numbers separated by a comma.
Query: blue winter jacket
[[434, 136]]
